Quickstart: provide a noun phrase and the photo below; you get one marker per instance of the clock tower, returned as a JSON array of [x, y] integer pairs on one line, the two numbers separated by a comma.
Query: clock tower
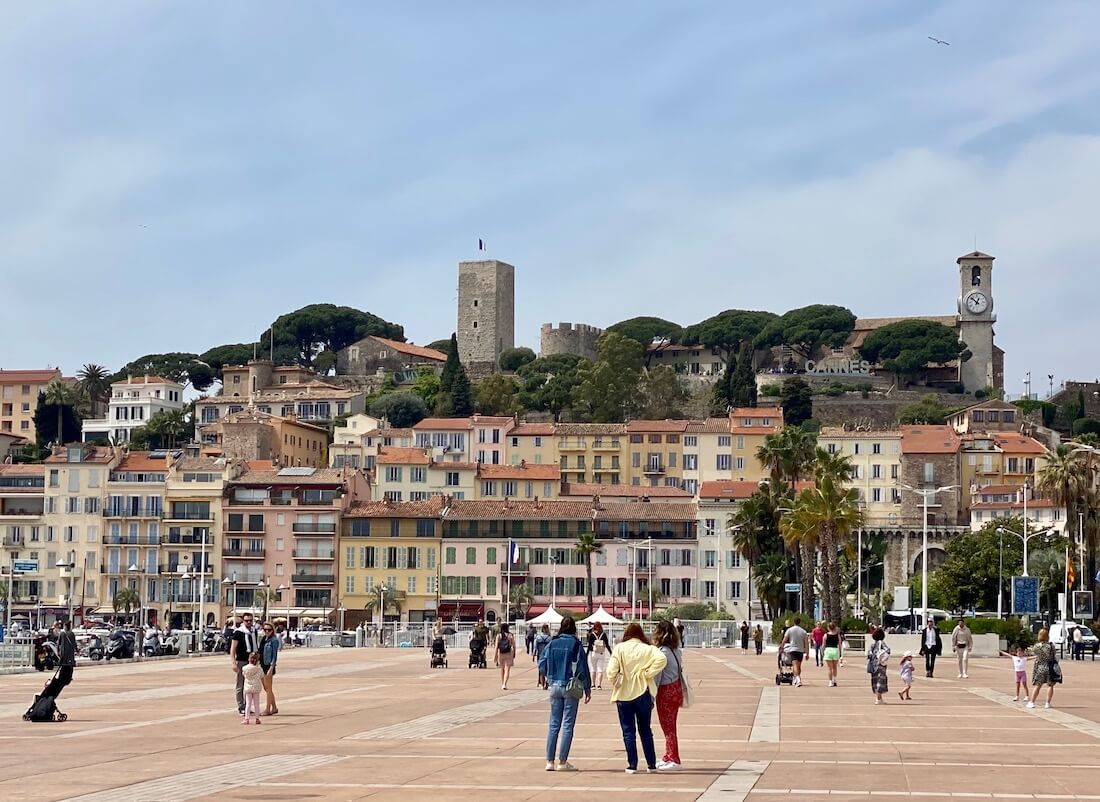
[[976, 319]]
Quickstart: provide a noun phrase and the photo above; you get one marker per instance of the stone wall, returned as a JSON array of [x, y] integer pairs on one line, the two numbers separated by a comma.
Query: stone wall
[[567, 338], [249, 441], [877, 411], [486, 313]]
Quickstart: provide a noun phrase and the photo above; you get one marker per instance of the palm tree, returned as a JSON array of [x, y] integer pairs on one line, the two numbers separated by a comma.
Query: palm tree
[[169, 426], [94, 385], [381, 598], [588, 544], [126, 599], [771, 574], [747, 531], [59, 394], [521, 597]]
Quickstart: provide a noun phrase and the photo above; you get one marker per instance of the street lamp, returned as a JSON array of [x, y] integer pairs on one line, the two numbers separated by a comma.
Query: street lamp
[[721, 553], [279, 590], [553, 581], [261, 586], [72, 569], [133, 569], [1004, 530], [633, 547], [925, 493], [231, 582]]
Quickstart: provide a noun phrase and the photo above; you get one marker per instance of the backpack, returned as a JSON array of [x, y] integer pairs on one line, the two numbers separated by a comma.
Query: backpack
[[599, 646], [504, 645]]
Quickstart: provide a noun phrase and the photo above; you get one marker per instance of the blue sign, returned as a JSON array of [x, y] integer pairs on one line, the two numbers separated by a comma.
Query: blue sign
[[792, 587], [1025, 595], [25, 566]]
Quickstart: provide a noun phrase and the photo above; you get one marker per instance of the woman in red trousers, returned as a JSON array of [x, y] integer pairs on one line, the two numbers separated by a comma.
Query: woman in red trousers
[[670, 693]]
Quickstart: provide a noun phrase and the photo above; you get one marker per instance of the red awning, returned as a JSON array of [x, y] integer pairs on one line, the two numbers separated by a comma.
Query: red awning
[[455, 609], [536, 609]]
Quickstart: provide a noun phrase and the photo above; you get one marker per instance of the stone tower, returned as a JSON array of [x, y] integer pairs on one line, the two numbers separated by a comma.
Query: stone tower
[[976, 319], [580, 339], [486, 313]]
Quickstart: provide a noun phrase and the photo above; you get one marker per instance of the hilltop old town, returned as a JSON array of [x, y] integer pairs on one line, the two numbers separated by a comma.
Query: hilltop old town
[[332, 471]]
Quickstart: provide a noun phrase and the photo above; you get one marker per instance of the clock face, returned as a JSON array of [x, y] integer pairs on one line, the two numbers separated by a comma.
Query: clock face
[[977, 303]]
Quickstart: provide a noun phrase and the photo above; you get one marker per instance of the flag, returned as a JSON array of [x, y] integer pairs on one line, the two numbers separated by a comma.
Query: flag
[[515, 552], [1071, 575], [481, 244]]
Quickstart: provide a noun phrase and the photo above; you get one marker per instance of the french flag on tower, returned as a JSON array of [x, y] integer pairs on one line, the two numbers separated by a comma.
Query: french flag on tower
[[515, 552], [481, 245]]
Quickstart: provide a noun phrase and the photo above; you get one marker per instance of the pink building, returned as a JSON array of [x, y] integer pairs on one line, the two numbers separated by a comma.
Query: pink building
[[479, 438]]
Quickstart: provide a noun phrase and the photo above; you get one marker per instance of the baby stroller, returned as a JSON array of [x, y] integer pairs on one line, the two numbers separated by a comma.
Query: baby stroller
[[477, 654], [439, 653], [786, 667], [44, 706]]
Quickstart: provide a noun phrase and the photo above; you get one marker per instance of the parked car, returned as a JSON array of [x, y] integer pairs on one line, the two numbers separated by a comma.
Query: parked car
[[1061, 634]]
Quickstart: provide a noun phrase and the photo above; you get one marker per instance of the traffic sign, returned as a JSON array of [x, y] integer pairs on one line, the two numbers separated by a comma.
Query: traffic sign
[[792, 587], [25, 566]]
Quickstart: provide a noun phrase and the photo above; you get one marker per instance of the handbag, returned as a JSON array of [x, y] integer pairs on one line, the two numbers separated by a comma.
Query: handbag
[[574, 689], [1055, 672], [687, 692], [871, 661]]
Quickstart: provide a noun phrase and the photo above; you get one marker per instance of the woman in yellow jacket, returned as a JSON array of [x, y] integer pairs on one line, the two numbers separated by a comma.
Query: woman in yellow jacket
[[632, 671]]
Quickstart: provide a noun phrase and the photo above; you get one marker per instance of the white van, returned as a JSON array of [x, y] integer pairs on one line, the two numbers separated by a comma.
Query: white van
[[1061, 634]]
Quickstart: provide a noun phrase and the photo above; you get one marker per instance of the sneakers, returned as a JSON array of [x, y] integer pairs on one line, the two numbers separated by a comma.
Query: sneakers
[[566, 767], [966, 676], [1030, 705], [668, 765], [1046, 706], [549, 765], [629, 770], [960, 676], [796, 682], [1015, 698]]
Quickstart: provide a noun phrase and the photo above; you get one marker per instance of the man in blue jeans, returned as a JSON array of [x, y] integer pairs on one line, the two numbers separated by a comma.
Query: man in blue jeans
[[563, 659]]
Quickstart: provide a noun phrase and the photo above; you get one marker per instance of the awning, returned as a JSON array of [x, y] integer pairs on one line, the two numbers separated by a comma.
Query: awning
[[536, 609], [295, 612], [457, 609]]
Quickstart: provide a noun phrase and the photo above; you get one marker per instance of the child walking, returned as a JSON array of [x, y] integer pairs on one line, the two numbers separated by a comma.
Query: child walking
[[906, 676], [1019, 666], [253, 684]]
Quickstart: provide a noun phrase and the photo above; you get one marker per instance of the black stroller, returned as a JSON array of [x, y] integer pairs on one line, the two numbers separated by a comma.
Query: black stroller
[[785, 676], [439, 653], [477, 654], [44, 707]]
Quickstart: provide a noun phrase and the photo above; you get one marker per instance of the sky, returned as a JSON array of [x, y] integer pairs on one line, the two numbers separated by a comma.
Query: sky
[[175, 175]]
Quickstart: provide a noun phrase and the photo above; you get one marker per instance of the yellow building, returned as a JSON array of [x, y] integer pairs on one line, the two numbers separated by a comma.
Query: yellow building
[[395, 545], [876, 464], [998, 458], [533, 443], [518, 481], [748, 428], [19, 391], [251, 434], [701, 449], [591, 452], [411, 474], [656, 449], [356, 443]]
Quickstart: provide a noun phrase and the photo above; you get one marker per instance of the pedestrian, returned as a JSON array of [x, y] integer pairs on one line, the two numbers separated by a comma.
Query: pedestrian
[[670, 692], [1046, 670], [1078, 645], [679, 628], [66, 653], [906, 671], [931, 647], [1019, 669], [269, 657], [243, 642], [744, 637], [253, 675], [632, 670], [758, 639], [817, 637], [831, 642], [562, 661], [962, 641], [505, 655], [799, 640], [599, 647], [542, 640], [878, 660], [529, 640]]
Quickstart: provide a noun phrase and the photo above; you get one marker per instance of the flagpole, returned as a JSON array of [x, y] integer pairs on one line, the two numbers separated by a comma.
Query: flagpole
[[508, 585]]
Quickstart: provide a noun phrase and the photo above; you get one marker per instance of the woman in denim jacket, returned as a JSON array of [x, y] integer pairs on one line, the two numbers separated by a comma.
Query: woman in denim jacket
[[558, 661]]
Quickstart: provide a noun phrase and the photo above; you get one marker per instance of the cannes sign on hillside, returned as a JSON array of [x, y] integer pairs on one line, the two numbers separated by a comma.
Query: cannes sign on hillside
[[839, 367]]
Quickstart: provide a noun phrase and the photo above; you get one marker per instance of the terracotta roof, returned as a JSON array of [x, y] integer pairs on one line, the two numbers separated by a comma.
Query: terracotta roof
[[657, 426], [928, 439], [756, 412], [98, 455], [583, 429], [840, 433], [532, 430], [12, 436], [29, 376], [646, 511], [491, 420], [515, 510], [622, 491], [413, 350], [429, 508], [200, 464], [22, 469], [1018, 443], [143, 380], [715, 425], [1033, 503], [390, 455], [524, 471], [259, 464], [140, 462], [989, 403], [726, 489], [974, 255], [998, 489], [449, 424], [270, 476]]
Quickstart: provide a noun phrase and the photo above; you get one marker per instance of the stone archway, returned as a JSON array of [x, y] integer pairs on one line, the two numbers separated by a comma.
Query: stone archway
[[936, 558]]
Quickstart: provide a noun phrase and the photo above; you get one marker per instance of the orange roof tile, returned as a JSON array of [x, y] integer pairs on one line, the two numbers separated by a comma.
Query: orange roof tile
[[585, 429], [23, 469], [270, 476], [413, 350], [428, 508], [756, 412], [1018, 443], [140, 461], [99, 455], [657, 426], [725, 489], [646, 511], [999, 489], [532, 430], [491, 420], [448, 424], [516, 510], [1034, 503], [29, 376], [391, 455], [622, 491], [455, 466], [523, 471], [928, 439]]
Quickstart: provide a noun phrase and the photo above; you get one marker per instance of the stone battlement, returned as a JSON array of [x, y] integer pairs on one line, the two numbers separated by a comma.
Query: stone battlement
[[569, 338]]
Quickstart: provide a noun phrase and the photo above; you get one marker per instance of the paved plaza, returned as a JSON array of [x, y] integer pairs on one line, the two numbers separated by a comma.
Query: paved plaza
[[380, 725]]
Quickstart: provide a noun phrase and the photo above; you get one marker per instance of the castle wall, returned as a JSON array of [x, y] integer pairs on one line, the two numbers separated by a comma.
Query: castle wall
[[568, 338]]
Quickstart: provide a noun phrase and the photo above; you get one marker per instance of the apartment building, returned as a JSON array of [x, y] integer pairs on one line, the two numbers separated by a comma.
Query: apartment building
[[280, 529], [748, 428], [656, 449], [251, 434], [524, 480], [413, 474], [1007, 501], [532, 443], [22, 527], [132, 404], [19, 391], [451, 439], [723, 572], [991, 415], [930, 459], [356, 443], [10, 443], [702, 442], [997, 458], [592, 452], [395, 545], [490, 436], [876, 470]]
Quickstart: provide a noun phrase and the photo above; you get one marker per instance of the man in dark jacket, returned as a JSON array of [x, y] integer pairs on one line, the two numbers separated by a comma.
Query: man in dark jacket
[[66, 652], [931, 647]]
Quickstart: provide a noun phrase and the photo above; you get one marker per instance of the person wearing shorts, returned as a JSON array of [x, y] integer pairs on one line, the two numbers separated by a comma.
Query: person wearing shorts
[[831, 655], [798, 640]]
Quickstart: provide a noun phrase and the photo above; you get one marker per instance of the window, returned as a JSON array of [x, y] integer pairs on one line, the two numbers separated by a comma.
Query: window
[[349, 583], [734, 590], [425, 527], [691, 462], [418, 475], [855, 448], [471, 555], [929, 474], [450, 556], [894, 471], [876, 471], [635, 438], [509, 489], [452, 478], [393, 473], [490, 586], [876, 494], [734, 560], [709, 559], [723, 462], [739, 463], [723, 441], [489, 488]]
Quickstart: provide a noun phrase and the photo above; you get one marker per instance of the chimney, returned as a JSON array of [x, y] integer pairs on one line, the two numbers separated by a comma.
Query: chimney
[[523, 463], [538, 504], [596, 501]]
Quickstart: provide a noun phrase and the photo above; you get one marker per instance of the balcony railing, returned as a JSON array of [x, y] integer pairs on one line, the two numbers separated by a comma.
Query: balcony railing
[[654, 468], [241, 530], [514, 568], [314, 579], [13, 542], [314, 554], [314, 529], [246, 502], [131, 540], [189, 516], [126, 512], [185, 540], [248, 554]]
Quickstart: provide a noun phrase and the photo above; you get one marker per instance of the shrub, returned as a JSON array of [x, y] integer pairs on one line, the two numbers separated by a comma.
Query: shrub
[[770, 390]]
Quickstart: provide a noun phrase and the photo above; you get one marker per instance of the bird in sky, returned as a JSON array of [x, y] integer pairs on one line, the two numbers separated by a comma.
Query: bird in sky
[[939, 41]]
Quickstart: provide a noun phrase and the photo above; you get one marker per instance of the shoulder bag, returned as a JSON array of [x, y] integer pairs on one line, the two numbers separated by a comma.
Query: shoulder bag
[[687, 692], [574, 689], [1055, 671]]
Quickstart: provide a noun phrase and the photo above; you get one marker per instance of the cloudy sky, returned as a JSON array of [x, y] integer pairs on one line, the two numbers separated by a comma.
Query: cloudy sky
[[174, 175]]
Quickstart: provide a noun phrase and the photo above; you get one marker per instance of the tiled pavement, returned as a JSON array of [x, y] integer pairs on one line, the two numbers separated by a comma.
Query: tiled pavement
[[380, 725]]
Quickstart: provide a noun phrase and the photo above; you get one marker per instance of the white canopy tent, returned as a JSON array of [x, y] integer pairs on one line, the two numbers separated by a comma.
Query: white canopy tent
[[549, 616], [601, 616]]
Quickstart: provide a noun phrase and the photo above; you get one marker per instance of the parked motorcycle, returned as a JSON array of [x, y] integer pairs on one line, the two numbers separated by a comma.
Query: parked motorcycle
[[94, 648], [121, 645]]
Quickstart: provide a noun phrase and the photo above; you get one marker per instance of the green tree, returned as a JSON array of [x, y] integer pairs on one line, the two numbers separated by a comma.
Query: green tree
[[588, 544], [907, 347], [126, 600], [440, 345], [797, 400], [168, 427], [608, 388], [233, 354], [55, 417], [324, 362], [742, 392], [664, 394], [512, 359], [644, 330], [807, 329], [548, 383], [497, 395], [520, 599], [771, 576], [318, 327], [1086, 426], [382, 599], [927, 409], [401, 410], [730, 331], [427, 385], [968, 577], [95, 387], [456, 396]]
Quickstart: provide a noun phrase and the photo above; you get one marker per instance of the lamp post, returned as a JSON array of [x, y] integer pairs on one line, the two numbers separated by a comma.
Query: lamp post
[[721, 554], [231, 582], [261, 586], [133, 569], [279, 590], [71, 566], [1004, 530], [553, 581], [925, 493], [633, 547]]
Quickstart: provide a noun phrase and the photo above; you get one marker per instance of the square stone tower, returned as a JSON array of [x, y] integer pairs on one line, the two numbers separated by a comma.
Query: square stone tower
[[486, 313]]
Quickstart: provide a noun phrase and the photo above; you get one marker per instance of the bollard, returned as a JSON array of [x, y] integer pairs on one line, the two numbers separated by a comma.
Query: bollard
[[360, 636]]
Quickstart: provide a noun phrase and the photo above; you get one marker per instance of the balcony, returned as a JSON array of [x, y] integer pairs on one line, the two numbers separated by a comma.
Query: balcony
[[245, 502], [13, 542], [189, 516], [242, 531], [516, 569], [314, 529], [186, 540], [317, 502], [131, 540], [654, 469], [313, 579], [566, 444], [574, 469], [247, 554], [605, 445], [126, 512], [314, 554]]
